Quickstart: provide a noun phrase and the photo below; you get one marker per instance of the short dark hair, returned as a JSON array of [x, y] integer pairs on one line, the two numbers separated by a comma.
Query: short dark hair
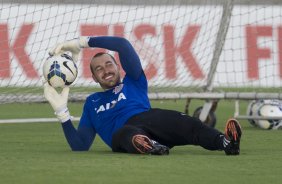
[[98, 55]]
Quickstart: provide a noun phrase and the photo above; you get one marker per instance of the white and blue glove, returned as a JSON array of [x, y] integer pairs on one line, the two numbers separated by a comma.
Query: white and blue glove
[[58, 101], [74, 46]]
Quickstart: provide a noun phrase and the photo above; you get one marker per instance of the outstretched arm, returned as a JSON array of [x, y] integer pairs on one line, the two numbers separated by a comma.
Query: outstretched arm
[[128, 57]]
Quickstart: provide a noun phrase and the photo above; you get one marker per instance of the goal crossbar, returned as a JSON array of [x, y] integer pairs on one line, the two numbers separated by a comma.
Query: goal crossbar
[[157, 96]]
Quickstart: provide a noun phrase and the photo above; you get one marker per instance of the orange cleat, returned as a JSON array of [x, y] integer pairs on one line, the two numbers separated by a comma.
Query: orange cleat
[[233, 134], [145, 145]]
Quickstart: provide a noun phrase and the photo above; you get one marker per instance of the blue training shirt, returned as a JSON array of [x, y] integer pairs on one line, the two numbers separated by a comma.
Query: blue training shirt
[[105, 112]]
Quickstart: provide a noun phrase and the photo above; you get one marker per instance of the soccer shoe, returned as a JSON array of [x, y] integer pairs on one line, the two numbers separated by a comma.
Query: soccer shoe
[[144, 145], [232, 137]]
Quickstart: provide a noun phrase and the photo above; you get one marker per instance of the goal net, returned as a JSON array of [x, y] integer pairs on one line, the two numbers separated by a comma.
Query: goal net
[[187, 48]]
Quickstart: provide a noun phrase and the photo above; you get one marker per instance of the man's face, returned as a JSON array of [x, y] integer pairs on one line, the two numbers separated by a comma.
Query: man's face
[[105, 71]]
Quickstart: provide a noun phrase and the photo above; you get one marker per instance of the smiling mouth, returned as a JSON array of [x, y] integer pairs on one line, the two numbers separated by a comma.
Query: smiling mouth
[[108, 77]]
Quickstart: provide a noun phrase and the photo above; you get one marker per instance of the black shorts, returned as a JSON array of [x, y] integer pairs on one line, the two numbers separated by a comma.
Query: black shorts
[[168, 127]]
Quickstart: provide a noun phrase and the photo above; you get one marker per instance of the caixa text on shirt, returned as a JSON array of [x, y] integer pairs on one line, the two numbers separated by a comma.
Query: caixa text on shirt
[[111, 104]]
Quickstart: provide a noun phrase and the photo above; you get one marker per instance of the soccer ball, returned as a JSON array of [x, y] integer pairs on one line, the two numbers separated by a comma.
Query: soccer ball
[[252, 110], [60, 70], [266, 108]]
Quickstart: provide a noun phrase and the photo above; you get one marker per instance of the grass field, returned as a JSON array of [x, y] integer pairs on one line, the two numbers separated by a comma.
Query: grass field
[[38, 153]]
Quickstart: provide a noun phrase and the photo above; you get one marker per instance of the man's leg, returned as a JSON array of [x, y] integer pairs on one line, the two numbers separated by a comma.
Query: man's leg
[[172, 128]]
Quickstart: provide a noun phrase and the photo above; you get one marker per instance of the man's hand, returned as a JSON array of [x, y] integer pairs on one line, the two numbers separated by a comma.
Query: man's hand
[[58, 101], [74, 46]]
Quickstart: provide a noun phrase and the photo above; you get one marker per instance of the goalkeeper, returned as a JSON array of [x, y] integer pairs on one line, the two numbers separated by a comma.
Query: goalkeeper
[[122, 115]]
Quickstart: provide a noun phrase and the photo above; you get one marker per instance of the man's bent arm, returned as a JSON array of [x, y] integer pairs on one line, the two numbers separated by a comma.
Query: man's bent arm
[[80, 139]]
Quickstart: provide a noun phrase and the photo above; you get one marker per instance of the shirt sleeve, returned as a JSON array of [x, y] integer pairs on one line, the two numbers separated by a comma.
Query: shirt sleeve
[[79, 139], [129, 59]]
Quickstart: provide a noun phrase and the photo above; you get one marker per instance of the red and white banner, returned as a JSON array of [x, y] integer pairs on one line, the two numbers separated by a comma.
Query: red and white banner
[[175, 44]]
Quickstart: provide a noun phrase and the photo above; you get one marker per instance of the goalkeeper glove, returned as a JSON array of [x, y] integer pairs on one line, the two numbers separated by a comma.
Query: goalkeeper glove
[[74, 46], [58, 101]]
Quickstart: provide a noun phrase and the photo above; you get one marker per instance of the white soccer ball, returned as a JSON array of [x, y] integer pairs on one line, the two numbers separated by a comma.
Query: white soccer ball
[[60, 70], [252, 110], [266, 108]]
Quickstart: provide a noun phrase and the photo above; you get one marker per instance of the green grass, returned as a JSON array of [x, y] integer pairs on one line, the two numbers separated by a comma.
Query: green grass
[[38, 153]]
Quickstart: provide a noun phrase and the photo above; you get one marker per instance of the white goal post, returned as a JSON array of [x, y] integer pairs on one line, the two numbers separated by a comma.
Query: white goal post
[[191, 49]]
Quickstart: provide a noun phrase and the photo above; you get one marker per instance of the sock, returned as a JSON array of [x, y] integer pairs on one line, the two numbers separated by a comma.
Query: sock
[[223, 142]]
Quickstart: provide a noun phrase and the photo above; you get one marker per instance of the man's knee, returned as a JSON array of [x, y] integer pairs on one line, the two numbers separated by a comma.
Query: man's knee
[[122, 139]]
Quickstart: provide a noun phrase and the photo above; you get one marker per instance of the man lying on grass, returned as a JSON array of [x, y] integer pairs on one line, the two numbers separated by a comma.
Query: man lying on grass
[[122, 115]]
